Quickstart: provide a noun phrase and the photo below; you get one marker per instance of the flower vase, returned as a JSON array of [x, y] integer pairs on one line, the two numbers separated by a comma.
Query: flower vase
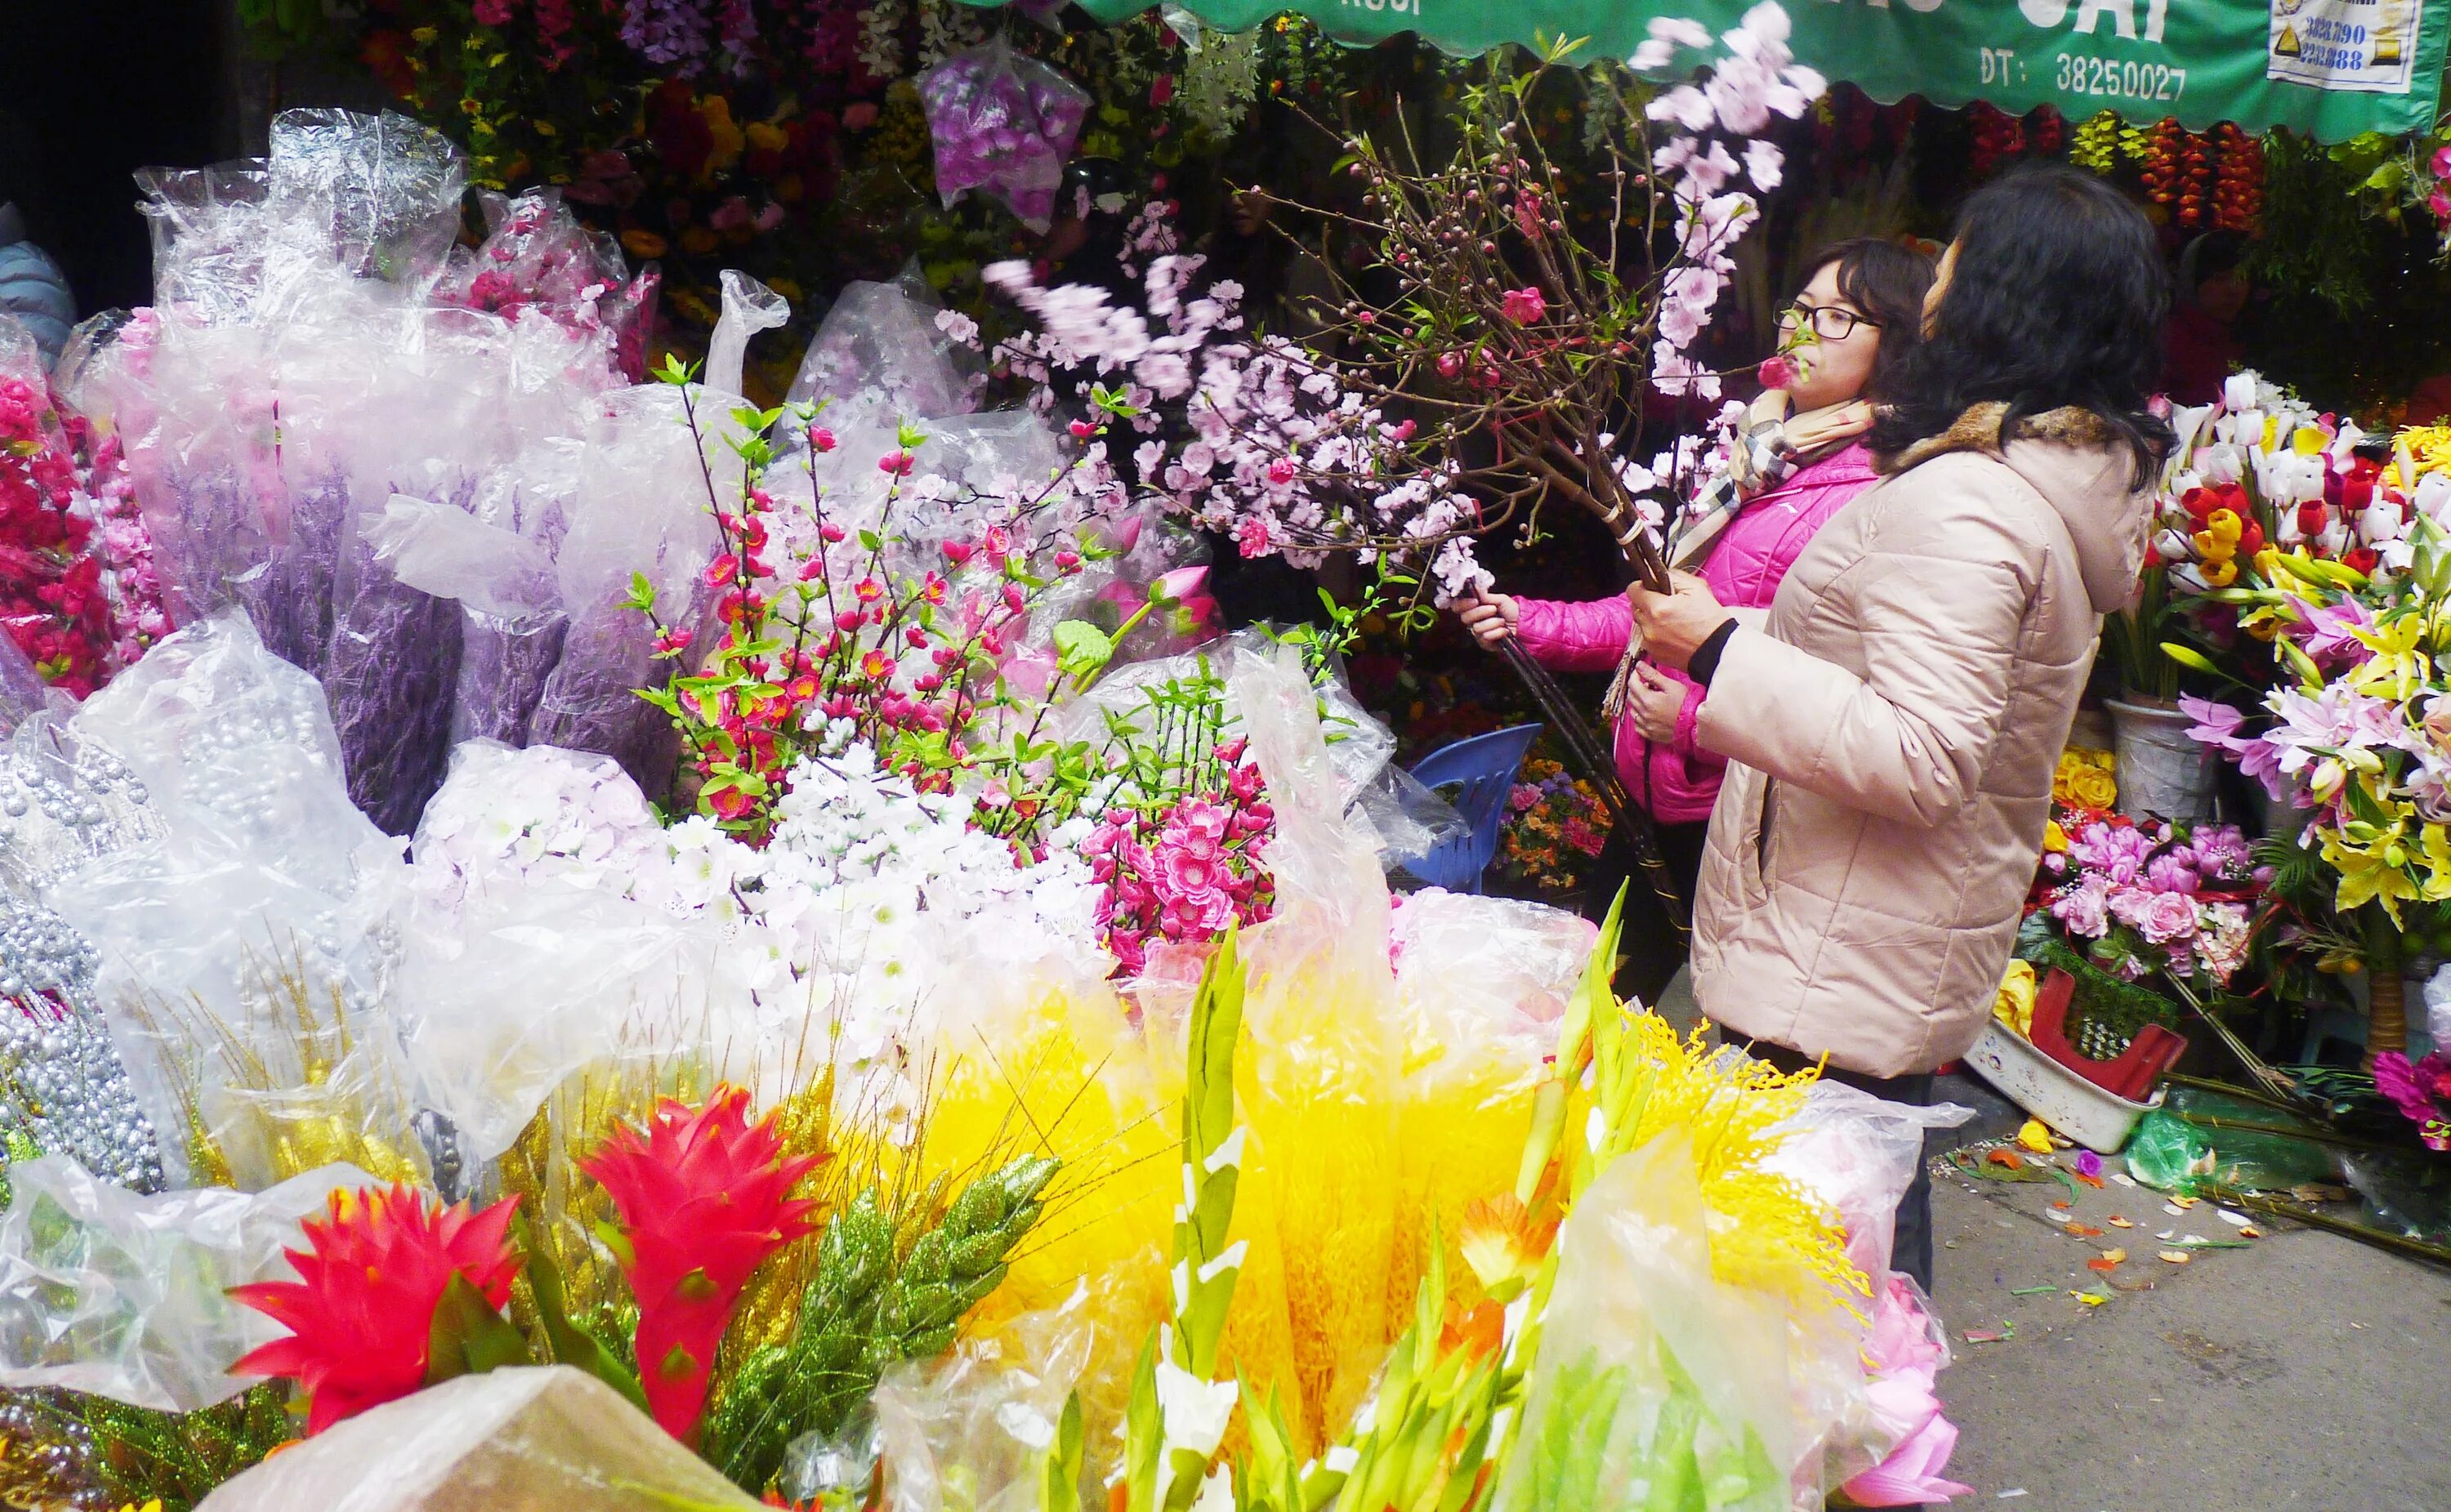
[[2161, 772], [2387, 959]]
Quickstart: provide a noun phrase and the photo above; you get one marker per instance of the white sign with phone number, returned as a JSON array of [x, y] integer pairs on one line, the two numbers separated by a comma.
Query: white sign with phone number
[[2367, 46]]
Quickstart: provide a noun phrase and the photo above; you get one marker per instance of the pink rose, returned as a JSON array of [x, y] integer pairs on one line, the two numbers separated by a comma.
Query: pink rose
[[2081, 907], [2170, 916]]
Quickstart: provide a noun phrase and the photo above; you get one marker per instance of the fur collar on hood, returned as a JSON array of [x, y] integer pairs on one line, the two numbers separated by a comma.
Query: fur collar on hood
[[1978, 430]]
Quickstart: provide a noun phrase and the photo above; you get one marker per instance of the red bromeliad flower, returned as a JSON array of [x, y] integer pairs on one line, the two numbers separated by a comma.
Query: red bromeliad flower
[[703, 1198], [362, 1308]]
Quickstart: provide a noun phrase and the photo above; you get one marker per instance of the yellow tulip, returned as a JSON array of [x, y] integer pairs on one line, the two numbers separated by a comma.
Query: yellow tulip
[[2218, 571]]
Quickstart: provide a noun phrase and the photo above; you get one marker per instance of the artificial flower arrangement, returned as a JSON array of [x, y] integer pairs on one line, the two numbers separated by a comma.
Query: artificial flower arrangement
[[2353, 749], [1356, 1183], [2150, 897], [2264, 492], [1555, 828], [79, 593]]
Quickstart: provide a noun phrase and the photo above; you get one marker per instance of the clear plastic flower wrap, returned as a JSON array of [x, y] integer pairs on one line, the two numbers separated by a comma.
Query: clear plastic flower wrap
[[1656, 1385], [375, 197], [1858, 1154], [125, 1296], [23, 691], [208, 247], [393, 667], [537, 258], [511, 622], [642, 508], [883, 342], [1004, 125], [968, 1431], [236, 745], [521, 1439], [253, 925], [749, 308], [1862, 1391], [593, 973]]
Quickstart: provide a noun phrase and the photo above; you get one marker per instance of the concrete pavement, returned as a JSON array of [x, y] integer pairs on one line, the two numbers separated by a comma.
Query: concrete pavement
[[2308, 1372]]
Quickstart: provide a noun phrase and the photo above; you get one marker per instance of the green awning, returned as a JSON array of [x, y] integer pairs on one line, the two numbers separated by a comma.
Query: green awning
[[2331, 67]]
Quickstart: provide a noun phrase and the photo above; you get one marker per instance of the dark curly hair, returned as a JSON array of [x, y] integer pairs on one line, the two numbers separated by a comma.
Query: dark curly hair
[[2057, 299]]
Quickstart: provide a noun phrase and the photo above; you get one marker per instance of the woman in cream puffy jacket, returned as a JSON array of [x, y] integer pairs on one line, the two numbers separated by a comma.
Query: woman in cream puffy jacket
[[1893, 721]]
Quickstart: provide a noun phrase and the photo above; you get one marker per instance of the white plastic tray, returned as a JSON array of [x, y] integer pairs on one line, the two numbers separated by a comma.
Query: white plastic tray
[[2100, 1121]]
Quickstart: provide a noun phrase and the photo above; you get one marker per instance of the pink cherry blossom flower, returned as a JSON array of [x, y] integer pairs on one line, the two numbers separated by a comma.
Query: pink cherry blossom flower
[[1523, 306]]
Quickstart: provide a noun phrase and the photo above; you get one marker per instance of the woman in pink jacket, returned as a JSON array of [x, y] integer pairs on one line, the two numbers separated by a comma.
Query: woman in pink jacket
[[1800, 460]]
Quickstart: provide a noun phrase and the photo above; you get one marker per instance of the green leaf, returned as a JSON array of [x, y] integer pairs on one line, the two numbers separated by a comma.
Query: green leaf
[[572, 1344], [1059, 1480], [467, 1336]]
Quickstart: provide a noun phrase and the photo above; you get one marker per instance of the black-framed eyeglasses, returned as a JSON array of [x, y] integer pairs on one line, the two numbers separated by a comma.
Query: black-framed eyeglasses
[[1829, 322]]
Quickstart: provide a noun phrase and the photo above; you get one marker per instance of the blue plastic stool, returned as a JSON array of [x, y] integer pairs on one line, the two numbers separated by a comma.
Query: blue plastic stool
[[1485, 766]]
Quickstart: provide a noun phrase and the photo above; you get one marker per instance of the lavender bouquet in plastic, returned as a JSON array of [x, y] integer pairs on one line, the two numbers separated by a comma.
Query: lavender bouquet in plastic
[[1004, 125]]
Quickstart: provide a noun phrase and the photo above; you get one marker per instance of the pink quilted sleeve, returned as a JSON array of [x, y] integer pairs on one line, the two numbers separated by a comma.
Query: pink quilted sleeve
[[1570, 637], [1686, 719]]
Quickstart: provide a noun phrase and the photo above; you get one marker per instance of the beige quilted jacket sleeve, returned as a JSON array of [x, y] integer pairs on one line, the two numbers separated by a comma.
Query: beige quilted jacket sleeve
[[1887, 691]]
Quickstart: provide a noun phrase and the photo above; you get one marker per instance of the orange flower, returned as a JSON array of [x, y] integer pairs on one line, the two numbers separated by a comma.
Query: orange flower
[[1502, 1243]]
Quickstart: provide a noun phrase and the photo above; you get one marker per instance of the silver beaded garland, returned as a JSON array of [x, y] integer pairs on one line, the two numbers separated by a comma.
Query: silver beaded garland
[[62, 803], [61, 1079]]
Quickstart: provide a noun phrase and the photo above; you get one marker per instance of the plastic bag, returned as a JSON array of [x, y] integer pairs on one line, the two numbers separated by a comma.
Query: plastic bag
[[881, 344], [62, 1085], [1473, 970], [23, 691], [1898, 1425], [538, 259], [393, 667], [749, 308], [1656, 1387], [964, 1434], [2404, 1193], [2181, 1146], [375, 196], [251, 921], [511, 622], [234, 744], [593, 973], [1004, 125], [1859, 1153], [523, 1438], [642, 508], [123, 1296]]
